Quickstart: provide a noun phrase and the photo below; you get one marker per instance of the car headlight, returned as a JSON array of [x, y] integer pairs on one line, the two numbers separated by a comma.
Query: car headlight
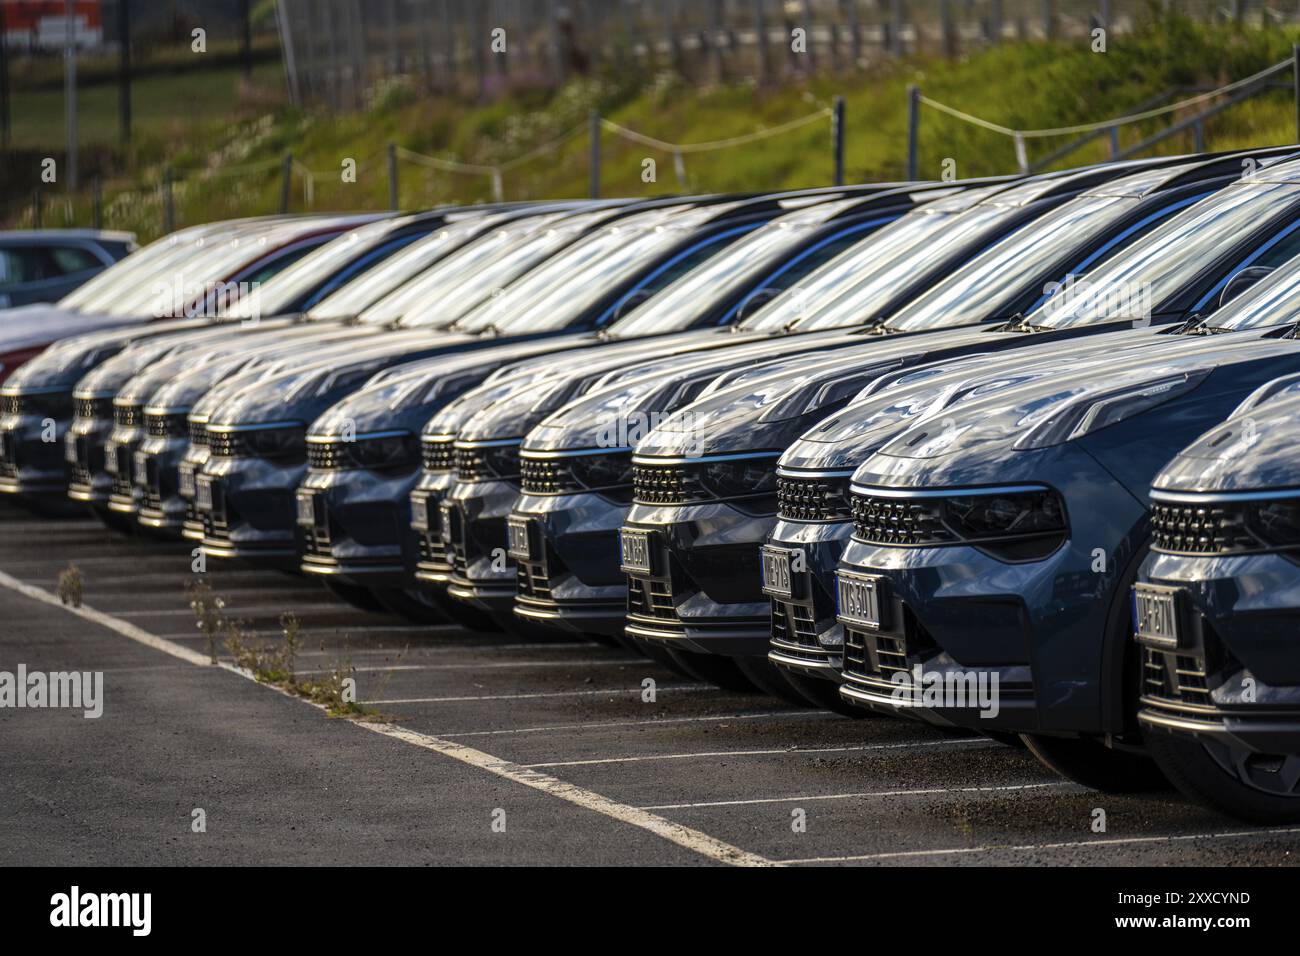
[[751, 479], [1204, 526], [288, 442], [499, 462], [388, 452]]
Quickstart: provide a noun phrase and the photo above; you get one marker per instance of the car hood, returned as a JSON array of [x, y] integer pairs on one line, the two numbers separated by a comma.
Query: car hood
[[845, 439], [1253, 450], [64, 363], [978, 439], [31, 326], [316, 382]]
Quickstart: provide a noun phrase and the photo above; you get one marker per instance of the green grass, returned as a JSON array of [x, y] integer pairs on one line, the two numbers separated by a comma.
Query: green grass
[[208, 123]]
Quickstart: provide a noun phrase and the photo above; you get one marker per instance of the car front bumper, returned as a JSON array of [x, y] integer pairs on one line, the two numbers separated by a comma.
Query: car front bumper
[[1233, 674], [702, 591], [356, 525]]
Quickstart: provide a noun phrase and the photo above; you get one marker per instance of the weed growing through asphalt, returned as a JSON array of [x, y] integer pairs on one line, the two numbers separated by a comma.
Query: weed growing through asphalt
[[275, 663], [207, 608], [71, 585]]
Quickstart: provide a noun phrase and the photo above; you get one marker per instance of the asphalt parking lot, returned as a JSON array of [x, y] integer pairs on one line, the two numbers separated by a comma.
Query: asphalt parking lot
[[553, 740]]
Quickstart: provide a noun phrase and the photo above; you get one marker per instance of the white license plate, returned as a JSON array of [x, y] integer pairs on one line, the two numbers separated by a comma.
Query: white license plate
[[4, 441], [110, 457], [307, 509], [1155, 614], [185, 482], [445, 517], [420, 512], [141, 468], [635, 546], [517, 533], [859, 599], [69, 448], [777, 577], [203, 493]]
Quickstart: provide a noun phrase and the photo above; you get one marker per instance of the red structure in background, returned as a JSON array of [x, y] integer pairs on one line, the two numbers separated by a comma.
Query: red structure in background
[[40, 24]]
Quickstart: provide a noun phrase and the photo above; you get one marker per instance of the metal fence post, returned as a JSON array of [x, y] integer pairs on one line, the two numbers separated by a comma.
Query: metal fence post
[[760, 40], [392, 176], [593, 131], [1295, 71], [169, 208], [837, 139], [913, 128], [97, 201], [36, 208], [286, 179]]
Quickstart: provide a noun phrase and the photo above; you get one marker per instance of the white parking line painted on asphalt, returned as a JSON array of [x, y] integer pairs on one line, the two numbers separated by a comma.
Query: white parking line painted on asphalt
[[644, 758], [686, 837], [499, 665], [807, 798], [676, 688], [125, 628], [1039, 847], [647, 722]]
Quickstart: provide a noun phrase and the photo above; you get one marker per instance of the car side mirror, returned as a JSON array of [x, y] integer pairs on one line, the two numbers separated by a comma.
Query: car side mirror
[[631, 302], [1241, 281], [756, 301]]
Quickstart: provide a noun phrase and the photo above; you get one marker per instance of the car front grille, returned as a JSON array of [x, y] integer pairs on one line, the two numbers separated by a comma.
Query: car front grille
[[548, 476], [165, 426], [875, 655], [533, 581], [325, 454], [12, 404], [813, 498], [128, 416], [664, 484], [225, 444], [90, 409], [1199, 529], [895, 521], [794, 632], [651, 598], [438, 456], [1178, 677], [198, 433]]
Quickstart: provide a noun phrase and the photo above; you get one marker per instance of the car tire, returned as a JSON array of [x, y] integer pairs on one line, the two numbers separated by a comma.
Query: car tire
[[1211, 774], [712, 669], [1087, 762], [826, 695]]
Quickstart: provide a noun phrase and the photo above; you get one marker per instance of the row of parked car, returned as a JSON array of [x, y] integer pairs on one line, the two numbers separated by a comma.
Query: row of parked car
[[1013, 456]]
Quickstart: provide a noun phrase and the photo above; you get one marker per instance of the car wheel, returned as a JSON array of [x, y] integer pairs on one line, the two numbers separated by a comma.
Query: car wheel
[[826, 695], [358, 597], [712, 669], [1087, 762], [1255, 787]]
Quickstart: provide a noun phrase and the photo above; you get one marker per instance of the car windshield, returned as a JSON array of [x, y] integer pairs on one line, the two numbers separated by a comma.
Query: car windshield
[[556, 293], [105, 286], [975, 292], [389, 277], [465, 280], [315, 268], [1129, 286], [846, 290], [1274, 300], [186, 269], [720, 276]]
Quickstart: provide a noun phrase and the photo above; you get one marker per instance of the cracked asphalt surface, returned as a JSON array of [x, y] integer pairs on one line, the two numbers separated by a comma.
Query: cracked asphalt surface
[[281, 783]]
